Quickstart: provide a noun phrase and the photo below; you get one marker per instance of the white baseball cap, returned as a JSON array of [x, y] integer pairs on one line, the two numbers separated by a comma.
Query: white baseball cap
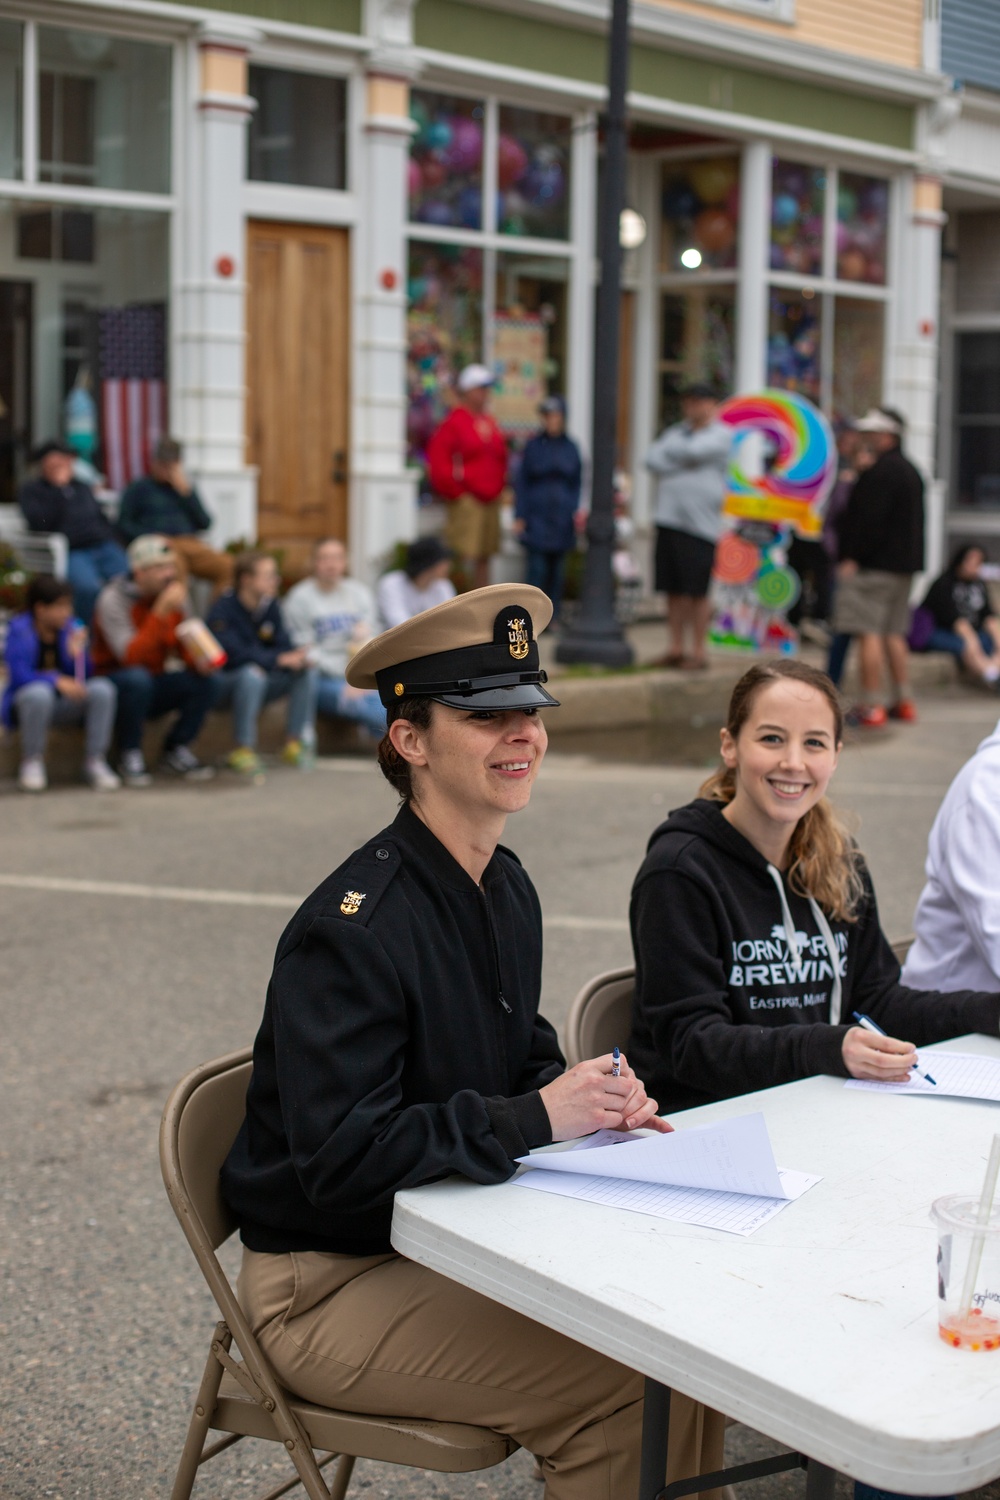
[[146, 551], [877, 419], [474, 376]]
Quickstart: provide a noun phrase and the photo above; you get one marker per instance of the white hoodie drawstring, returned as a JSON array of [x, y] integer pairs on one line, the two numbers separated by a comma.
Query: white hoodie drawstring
[[827, 935]]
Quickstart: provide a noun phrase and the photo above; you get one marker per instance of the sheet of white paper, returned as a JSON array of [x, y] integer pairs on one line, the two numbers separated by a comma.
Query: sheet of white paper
[[963, 1075], [736, 1213], [732, 1156]]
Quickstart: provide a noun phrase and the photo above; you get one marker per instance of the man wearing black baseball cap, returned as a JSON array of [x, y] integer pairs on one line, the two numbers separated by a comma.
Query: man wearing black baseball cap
[[420, 584], [55, 501], [690, 460], [401, 1042]]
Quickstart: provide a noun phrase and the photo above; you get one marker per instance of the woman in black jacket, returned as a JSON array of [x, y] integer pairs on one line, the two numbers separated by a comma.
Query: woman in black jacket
[[958, 616], [548, 498], [755, 925], [401, 1042]]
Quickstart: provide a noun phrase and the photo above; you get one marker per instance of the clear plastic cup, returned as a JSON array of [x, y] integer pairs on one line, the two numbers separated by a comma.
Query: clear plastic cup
[[961, 1239]]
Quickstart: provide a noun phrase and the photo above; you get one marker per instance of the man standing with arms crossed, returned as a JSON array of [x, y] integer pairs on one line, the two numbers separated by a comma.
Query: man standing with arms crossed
[[467, 458], [881, 547]]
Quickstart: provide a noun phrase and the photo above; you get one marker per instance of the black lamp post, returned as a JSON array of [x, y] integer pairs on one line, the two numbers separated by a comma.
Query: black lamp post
[[596, 636]]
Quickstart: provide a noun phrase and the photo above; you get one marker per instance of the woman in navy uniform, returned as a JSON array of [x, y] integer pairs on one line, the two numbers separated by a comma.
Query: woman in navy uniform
[[401, 1042]]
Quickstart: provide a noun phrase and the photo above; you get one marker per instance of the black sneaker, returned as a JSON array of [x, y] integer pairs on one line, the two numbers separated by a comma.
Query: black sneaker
[[132, 766], [181, 761]]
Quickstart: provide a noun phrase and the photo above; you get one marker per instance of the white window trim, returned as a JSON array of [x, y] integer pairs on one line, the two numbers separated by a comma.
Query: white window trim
[[767, 10]]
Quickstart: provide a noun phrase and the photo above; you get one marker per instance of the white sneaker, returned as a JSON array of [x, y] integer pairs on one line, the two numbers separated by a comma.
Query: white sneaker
[[31, 777], [133, 768], [99, 774]]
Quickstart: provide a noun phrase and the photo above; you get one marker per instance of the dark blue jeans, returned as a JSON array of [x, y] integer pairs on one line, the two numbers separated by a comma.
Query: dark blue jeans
[[146, 695], [544, 571], [88, 570]]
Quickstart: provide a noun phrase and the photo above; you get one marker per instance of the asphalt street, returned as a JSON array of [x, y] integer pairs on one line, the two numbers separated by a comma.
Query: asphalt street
[[136, 940]]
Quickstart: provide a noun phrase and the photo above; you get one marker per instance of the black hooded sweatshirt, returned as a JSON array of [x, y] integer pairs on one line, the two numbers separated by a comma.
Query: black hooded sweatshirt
[[401, 1041], [721, 1007]]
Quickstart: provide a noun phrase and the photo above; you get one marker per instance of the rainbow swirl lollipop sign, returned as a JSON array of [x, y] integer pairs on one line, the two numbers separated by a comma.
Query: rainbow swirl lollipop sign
[[783, 462]]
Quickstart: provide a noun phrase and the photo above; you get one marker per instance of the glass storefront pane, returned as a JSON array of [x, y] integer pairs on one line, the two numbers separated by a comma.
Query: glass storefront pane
[[697, 342], [529, 338], [297, 133], [11, 43], [858, 347], [978, 383], [103, 111], [793, 342], [533, 173], [446, 160], [701, 214], [83, 302], [978, 467], [444, 326], [797, 194], [862, 227]]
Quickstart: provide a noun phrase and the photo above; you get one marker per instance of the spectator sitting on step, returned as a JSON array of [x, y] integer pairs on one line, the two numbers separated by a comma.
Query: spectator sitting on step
[[263, 664], [421, 583], [136, 644], [956, 616], [51, 681], [332, 615], [166, 502], [55, 501]]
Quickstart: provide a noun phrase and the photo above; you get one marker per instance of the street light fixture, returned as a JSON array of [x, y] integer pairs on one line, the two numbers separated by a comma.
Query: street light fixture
[[596, 635]]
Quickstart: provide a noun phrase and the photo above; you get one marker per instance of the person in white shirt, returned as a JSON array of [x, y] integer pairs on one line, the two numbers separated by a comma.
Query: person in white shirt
[[957, 921], [420, 584], [333, 615]]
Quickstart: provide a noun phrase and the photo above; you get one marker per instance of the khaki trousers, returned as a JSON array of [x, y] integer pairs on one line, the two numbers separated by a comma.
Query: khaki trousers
[[383, 1336], [194, 556]]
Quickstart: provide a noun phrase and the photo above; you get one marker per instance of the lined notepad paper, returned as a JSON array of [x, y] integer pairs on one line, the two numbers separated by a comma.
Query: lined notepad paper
[[958, 1075]]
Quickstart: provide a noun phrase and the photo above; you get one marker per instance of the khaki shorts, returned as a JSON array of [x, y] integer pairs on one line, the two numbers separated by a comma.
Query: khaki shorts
[[472, 527], [872, 603]]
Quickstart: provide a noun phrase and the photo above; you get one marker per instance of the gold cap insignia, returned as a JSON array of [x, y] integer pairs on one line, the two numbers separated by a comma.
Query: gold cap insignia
[[517, 636], [351, 903], [399, 690]]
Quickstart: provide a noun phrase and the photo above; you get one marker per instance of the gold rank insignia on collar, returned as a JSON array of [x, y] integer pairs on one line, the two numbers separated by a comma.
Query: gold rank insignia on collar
[[351, 903]]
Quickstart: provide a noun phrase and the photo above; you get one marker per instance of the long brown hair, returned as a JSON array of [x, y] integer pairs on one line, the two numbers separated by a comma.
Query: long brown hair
[[823, 859]]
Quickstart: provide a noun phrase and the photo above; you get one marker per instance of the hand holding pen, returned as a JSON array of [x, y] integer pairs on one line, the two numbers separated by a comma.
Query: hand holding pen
[[891, 1061]]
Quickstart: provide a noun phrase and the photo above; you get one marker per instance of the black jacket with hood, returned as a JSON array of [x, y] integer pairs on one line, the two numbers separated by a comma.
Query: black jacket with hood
[[722, 1007]]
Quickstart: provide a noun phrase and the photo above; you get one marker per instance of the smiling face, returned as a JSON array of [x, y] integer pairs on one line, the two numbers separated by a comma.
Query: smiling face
[[480, 764], [783, 757]]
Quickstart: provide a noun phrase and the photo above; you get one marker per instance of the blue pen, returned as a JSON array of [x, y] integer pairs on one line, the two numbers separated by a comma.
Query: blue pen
[[616, 1063], [870, 1025]]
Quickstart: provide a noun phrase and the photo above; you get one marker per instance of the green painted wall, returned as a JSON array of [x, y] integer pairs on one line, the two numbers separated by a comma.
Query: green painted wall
[[334, 15], [519, 41]]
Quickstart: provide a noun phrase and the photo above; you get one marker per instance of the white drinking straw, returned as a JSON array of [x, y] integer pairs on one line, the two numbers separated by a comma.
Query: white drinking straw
[[979, 1234]]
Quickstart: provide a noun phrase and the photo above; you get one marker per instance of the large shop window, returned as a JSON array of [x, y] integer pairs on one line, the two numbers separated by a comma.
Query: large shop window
[[978, 421], [698, 342], [701, 215], [11, 48], [103, 111], [489, 202], [298, 133], [83, 319]]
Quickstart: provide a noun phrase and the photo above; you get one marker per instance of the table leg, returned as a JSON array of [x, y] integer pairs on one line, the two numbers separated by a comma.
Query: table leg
[[655, 1432], [820, 1481]]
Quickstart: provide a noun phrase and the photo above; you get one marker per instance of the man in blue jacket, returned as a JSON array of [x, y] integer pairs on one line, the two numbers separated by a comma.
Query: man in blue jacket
[[55, 501], [548, 497], [263, 663]]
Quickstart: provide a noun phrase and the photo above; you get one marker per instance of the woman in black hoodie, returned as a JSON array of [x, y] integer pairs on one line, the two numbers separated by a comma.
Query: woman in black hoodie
[[755, 925]]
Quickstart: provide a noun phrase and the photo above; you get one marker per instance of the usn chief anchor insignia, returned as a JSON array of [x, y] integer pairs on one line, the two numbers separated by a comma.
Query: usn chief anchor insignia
[[351, 903], [517, 637]]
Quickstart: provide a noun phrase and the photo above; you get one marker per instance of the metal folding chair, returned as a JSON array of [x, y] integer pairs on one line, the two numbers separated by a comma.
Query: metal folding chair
[[242, 1397]]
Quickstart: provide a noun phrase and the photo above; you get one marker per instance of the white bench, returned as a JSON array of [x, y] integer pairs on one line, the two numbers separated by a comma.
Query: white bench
[[37, 551]]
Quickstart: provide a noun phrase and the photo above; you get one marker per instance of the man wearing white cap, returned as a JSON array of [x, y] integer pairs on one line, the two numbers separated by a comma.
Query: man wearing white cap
[[467, 458], [881, 547]]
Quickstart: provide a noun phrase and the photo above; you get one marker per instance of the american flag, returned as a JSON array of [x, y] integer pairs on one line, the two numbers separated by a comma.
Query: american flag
[[132, 364]]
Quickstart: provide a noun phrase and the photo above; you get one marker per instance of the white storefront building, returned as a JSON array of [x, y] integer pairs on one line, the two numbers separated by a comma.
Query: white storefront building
[[279, 235]]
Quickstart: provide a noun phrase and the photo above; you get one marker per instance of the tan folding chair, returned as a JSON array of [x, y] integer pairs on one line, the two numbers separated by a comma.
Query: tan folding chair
[[600, 1017], [242, 1397]]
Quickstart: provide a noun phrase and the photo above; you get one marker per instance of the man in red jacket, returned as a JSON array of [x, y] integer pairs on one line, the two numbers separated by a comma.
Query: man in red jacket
[[467, 457]]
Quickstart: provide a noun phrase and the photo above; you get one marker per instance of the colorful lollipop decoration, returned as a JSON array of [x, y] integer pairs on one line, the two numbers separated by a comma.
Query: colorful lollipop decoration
[[798, 453]]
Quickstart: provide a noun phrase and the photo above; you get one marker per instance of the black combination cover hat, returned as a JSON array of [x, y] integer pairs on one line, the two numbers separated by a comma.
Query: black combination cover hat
[[477, 651]]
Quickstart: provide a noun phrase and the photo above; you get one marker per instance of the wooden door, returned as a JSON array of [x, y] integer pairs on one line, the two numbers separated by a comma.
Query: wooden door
[[298, 357]]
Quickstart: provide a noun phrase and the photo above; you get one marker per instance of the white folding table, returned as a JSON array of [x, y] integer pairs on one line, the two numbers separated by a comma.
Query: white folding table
[[820, 1330]]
